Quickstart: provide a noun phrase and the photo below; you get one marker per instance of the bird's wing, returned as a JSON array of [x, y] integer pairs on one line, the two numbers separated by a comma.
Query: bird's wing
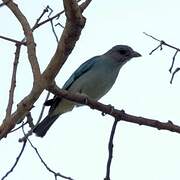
[[83, 68]]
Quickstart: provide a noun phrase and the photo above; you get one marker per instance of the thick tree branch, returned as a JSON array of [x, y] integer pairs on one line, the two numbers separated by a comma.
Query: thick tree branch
[[118, 114], [4, 3], [71, 33]]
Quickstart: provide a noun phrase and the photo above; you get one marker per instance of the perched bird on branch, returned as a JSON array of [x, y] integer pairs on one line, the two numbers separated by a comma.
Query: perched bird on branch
[[94, 78]]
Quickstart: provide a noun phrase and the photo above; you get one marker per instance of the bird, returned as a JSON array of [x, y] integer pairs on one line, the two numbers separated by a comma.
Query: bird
[[94, 78]]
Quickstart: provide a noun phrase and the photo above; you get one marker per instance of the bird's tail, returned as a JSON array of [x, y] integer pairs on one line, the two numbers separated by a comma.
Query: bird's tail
[[42, 128]]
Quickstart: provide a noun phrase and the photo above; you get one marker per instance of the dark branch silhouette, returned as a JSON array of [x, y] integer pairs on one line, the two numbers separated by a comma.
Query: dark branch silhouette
[[16, 162], [173, 58], [13, 40], [56, 174], [110, 149]]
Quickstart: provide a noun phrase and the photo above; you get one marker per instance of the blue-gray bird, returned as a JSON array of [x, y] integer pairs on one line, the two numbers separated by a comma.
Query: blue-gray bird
[[94, 78]]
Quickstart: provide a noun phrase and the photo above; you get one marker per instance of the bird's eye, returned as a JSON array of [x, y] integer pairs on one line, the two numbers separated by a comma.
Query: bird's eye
[[122, 52]]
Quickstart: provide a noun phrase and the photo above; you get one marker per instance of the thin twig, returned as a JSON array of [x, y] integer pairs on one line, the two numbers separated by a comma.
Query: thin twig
[[52, 25], [56, 16], [13, 83], [173, 74], [39, 18], [170, 46], [59, 24], [31, 46], [159, 46], [151, 36], [47, 20], [174, 57], [54, 32], [56, 174], [13, 40], [163, 42], [15, 129], [17, 160], [110, 149]]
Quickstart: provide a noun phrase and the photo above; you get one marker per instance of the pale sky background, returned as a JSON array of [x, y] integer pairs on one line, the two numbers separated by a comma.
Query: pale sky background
[[77, 144]]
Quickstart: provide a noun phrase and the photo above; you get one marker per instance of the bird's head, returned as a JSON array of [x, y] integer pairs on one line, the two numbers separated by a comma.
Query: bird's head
[[122, 53]]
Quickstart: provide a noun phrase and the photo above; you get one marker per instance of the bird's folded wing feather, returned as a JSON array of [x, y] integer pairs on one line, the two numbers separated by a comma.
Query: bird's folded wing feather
[[83, 68]]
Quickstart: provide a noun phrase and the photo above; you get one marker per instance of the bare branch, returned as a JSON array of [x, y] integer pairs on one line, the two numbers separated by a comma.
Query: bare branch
[[118, 114], [37, 25], [162, 42], [84, 5], [174, 57], [52, 25], [39, 18], [107, 109], [170, 46], [15, 129], [13, 40], [56, 16], [74, 25], [59, 24], [29, 38], [159, 46], [13, 82], [29, 133], [22, 109], [56, 174], [4, 3], [173, 74], [17, 160], [151, 36], [110, 149], [71, 33]]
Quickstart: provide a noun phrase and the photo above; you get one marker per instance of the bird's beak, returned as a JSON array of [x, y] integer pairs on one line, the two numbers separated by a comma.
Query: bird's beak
[[136, 54]]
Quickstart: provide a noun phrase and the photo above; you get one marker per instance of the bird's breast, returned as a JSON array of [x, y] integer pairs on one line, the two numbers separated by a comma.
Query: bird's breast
[[95, 83]]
